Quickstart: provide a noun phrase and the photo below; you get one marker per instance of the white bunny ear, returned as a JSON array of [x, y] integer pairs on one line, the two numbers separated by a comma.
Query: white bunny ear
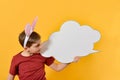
[[28, 30], [34, 22]]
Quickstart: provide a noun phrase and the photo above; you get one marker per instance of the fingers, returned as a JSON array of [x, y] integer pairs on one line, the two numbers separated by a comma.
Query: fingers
[[77, 58]]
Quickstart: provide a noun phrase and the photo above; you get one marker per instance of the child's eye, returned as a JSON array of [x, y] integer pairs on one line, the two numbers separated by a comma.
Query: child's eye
[[37, 45]]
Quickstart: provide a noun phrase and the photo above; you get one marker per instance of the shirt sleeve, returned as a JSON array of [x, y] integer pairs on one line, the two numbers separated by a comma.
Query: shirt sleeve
[[49, 61], [14, 67]]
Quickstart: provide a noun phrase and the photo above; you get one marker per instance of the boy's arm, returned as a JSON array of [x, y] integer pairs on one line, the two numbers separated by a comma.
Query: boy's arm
[[61, 66], [58, 67], [10, 77]]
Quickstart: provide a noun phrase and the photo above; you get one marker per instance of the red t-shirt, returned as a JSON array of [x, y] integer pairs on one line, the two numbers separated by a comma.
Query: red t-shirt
[[30, 68]]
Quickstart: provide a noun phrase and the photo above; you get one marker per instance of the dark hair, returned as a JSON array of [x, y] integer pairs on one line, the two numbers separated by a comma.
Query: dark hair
[[32, 39]]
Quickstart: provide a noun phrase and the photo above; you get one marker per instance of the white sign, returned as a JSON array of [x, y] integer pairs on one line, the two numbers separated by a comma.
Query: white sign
[[72, 40]]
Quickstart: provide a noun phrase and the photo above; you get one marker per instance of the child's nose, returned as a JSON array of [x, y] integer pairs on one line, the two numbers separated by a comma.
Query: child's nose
[[39, 46]]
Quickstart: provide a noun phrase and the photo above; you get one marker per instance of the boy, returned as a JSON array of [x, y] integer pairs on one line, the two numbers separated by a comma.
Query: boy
[[29, 64]]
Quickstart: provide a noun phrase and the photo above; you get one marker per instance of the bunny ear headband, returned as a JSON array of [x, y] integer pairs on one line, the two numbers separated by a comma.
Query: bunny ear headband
[[28, 30]]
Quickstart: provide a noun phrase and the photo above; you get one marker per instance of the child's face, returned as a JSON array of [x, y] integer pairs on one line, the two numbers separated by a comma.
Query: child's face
[[35, 47]]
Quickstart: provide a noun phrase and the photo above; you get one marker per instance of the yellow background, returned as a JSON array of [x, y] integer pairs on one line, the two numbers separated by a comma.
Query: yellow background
[[102, 15]]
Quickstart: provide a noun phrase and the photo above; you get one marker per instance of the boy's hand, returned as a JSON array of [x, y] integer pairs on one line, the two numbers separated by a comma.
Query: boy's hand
[[77, 58], [44, 46]]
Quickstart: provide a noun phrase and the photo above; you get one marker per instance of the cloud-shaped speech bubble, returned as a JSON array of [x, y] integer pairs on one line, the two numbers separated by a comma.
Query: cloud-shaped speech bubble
[[72, 40]]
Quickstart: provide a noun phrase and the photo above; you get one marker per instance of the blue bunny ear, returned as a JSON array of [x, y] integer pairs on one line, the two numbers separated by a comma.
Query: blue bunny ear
[[28, 30], [34, 23]]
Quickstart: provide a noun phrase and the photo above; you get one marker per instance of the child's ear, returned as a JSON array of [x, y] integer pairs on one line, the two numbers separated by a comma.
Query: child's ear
[[26, 48]]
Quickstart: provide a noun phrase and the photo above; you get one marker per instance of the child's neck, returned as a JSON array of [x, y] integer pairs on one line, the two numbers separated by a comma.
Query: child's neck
[[26, 53]]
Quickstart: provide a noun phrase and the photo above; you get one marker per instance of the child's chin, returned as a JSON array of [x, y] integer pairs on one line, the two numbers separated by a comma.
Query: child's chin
[[38, 51]]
